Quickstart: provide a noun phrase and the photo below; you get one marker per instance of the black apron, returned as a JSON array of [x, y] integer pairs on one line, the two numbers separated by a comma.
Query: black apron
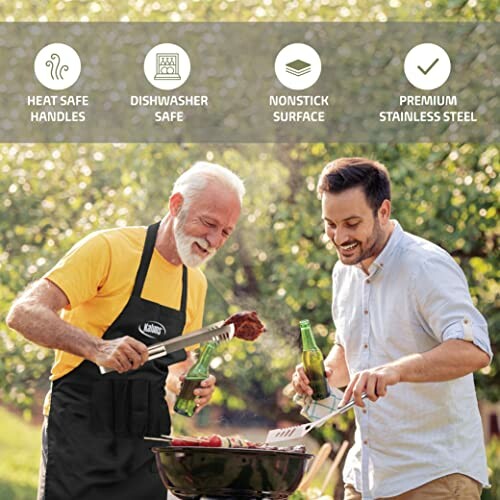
[[97, 422]]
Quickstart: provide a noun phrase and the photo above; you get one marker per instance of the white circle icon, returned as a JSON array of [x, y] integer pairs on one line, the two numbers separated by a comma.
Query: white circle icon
[[167, 66], [297, 66], [427, 66], [57, 66]]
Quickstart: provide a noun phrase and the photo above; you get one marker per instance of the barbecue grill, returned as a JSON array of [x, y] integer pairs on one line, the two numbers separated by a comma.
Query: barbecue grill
[[193, 472]]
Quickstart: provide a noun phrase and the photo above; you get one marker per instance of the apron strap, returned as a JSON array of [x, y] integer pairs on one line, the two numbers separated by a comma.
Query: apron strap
[[184, 288], [147, 253]]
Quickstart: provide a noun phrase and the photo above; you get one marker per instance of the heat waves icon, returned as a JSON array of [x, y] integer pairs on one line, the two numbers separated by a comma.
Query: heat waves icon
[[56, 68]]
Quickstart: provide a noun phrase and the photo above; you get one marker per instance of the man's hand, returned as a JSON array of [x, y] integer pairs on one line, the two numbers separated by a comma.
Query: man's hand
[[204, 393], [374, 382], [122, 354], [300, 382]]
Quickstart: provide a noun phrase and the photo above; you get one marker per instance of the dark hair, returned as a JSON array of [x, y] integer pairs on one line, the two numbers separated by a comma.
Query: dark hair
[[347, 173]]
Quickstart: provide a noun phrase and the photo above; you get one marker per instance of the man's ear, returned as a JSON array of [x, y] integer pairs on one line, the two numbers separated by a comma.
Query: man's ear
[[175, 203], [384, 212]]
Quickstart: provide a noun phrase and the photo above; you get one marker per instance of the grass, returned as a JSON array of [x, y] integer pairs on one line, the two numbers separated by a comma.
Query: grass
[[20, 456]]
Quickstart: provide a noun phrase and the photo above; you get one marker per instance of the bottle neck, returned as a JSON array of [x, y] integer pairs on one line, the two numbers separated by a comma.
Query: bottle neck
[[201, 366], [308, 342], [206, 353]]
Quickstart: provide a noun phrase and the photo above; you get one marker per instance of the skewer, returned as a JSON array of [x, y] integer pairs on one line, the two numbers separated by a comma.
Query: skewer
[[183, 438], [151, 438]]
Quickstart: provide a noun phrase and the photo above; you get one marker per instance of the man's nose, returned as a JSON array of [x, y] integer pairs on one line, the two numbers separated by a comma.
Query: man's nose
[[340, 236], [215, 239]]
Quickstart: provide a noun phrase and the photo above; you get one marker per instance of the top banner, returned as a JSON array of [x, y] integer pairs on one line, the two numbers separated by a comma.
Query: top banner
[[249, 82]]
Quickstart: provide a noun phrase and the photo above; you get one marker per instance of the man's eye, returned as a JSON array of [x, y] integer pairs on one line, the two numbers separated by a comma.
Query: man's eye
[[354, 224]]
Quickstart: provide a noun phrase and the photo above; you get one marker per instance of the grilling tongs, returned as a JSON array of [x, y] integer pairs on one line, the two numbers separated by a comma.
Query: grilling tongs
[[217, 332]]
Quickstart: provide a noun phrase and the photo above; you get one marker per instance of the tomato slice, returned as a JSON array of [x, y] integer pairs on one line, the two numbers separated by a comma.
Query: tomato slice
[[182, 441], [213, 441]]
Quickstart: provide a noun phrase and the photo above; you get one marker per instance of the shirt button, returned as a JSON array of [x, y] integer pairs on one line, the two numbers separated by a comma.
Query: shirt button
[[368, 282], [366, 311], [364, 411], [365, 346], [365, 441]]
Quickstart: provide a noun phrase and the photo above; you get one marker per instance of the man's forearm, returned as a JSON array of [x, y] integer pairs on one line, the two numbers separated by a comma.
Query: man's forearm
[[338, 378], [450, 360], [36, 316], [43, 326], [335, 360]]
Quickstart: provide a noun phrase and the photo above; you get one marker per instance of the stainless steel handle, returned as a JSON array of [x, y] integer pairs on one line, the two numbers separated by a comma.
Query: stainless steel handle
[[339, 411], [105, 370], [155, 353]]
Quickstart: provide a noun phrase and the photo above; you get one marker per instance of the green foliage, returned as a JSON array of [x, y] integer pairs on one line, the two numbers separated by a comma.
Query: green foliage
[[298, 495], [248, 10], [276, 262], [493, 456]]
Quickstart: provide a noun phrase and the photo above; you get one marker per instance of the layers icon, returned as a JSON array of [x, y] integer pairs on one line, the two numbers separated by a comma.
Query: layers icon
[[298, 67]]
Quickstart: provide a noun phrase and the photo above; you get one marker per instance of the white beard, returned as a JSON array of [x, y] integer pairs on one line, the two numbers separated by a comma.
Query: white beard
[[184, 244]]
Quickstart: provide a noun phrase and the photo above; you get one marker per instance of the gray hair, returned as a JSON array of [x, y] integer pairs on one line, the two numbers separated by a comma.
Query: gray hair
[[194, 180]]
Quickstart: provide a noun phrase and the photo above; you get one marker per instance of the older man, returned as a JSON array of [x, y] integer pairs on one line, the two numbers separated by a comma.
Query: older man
[[108, 287], [406, 329]]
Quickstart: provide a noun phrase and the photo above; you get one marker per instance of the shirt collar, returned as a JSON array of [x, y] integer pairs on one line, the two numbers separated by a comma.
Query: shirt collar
[[384, 257]]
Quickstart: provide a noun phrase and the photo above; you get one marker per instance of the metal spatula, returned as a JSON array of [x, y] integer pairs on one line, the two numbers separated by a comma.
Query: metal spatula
[[298, 431]]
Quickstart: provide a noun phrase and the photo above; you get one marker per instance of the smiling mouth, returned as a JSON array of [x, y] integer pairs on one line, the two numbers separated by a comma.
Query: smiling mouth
[[200, 249], [348, 248]]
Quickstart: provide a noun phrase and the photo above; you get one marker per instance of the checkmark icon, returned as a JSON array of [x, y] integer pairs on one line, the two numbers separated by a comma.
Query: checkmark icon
[[425, 71], [427, 66]]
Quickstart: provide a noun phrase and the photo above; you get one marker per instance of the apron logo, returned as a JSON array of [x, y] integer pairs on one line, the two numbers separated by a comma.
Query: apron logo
[[152, 329]]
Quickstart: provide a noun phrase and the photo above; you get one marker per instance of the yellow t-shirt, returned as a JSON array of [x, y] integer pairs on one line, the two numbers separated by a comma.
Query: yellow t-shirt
[[97, 275]]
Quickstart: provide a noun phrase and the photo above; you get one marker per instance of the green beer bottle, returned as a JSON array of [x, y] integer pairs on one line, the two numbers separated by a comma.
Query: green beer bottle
[[312, 359], [186, 404]]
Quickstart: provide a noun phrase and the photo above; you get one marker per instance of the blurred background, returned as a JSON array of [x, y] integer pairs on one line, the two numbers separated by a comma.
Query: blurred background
[[277, 261]]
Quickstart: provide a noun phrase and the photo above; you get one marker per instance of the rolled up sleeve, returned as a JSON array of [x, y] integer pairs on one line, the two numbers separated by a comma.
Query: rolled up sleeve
[[445, 304]]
